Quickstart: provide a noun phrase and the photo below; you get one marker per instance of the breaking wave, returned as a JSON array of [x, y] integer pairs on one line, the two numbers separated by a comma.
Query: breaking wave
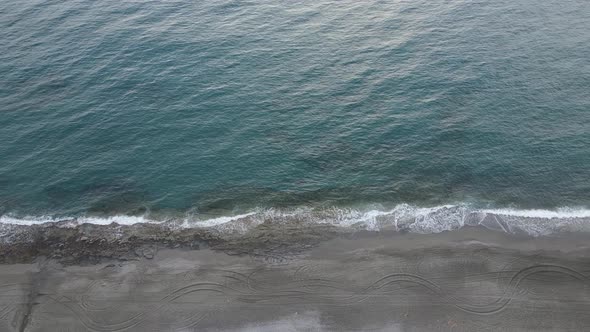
[[401, 218]]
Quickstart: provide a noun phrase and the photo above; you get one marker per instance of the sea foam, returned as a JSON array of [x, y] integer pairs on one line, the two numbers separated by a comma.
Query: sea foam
[[402, 217]]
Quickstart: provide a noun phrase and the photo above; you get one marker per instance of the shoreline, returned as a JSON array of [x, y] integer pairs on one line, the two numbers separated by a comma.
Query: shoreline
[[92, 244], [95, 243]]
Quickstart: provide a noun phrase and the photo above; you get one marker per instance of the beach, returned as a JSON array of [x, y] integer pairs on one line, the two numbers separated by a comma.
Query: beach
[[465, 280], [312, 165]]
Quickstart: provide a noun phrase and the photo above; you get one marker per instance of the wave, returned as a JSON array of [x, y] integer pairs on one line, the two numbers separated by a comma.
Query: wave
[[401, 218]]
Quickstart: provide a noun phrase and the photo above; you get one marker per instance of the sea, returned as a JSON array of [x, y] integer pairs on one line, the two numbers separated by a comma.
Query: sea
[[356, 113]]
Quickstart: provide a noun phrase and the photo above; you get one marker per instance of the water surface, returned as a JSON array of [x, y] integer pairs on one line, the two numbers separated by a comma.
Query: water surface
[[221, 107]]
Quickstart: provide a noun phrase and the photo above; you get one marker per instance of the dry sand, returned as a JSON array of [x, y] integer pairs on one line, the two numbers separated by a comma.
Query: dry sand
[[466, 280]]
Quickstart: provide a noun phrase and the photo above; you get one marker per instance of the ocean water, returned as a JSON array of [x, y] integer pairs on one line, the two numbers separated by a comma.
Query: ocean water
[[133, 110]]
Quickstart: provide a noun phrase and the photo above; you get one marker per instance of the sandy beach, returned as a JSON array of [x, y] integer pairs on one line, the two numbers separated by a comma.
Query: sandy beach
[[467, 280], [270, 166]]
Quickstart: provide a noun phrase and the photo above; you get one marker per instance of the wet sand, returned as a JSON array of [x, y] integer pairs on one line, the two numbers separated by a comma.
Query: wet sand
[[466, 280]]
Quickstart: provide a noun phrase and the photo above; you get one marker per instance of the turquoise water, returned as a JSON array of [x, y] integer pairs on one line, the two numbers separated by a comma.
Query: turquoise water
[[216, 107]]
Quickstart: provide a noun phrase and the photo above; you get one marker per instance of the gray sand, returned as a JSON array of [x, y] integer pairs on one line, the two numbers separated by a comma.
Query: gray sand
[[466, 280]]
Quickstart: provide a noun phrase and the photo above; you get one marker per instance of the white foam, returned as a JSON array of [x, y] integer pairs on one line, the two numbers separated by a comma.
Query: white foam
[[214, 221], [119, 220], [403, 217], [26, 221], [560, 213]]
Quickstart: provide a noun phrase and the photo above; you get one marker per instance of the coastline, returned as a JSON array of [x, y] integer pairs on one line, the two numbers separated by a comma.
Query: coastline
[[93, 239], [463, 280], [262, 166]]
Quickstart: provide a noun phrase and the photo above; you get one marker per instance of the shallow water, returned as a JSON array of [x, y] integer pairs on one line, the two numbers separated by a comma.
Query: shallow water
[[212, 108]]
